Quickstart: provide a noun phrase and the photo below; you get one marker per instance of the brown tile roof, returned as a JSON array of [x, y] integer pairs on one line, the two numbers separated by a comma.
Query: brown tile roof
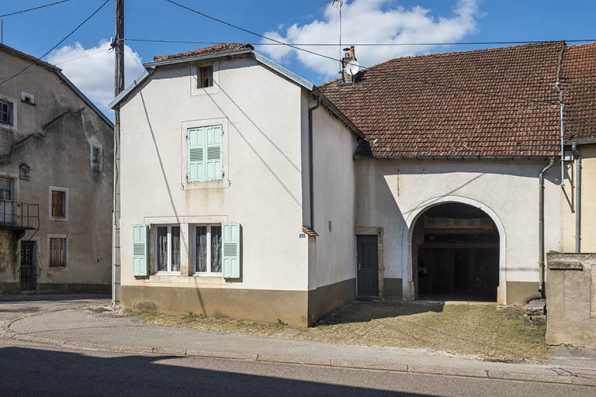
[[578, 80], [226, 47], [494, 102]]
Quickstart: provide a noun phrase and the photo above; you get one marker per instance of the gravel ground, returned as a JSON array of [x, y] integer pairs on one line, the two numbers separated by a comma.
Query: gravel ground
[[482, 330]]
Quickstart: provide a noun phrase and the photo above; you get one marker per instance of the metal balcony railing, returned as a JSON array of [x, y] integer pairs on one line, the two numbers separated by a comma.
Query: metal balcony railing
[[15, 215]]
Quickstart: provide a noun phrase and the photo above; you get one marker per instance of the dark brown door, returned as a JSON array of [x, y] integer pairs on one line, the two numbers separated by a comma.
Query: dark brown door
[[368, 266], [28, 267]]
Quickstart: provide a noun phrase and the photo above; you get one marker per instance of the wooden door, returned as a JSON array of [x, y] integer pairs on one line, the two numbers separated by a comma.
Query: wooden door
[[368, 266], [28, 266]]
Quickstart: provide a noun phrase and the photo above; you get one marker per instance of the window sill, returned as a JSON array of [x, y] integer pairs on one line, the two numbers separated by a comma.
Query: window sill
[[166, 274], [220, 184], [211, 275]]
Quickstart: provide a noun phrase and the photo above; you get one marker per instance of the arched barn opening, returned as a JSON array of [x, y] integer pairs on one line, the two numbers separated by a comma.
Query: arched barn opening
[[455, 254]]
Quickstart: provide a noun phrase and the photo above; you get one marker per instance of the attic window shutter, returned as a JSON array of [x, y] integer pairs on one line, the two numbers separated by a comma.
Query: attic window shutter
[[139, 250], [231, 250], [214, 153], [196, 155]]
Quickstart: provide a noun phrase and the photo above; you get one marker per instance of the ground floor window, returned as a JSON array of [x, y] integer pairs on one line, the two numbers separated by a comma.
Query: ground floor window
[[167, 249], [207, 253], [58, 251]]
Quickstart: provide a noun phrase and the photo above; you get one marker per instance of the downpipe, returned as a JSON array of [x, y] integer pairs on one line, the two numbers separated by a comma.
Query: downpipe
[[311, 164], [578, 198], [541, 228]]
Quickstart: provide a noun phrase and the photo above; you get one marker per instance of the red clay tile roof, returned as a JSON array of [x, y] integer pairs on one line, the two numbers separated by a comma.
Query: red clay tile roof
[[578, 80], [226, 47], [495, 102]]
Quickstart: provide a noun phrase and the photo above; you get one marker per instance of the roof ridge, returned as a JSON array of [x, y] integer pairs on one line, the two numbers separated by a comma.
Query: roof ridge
[[450, 53], [212, 49], [32, 58]]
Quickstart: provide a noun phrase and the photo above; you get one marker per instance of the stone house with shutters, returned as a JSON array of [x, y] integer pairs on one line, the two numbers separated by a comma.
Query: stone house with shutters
[[56, 181], [249, 192]]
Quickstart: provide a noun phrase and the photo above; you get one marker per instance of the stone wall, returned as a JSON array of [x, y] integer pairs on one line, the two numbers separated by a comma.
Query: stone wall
[[571, 299]]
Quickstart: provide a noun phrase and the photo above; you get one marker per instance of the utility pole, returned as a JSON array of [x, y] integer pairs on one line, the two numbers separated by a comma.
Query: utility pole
[[118, 46]]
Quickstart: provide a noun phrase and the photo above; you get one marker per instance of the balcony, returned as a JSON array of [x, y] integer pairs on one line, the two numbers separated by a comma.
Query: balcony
[[18, 216]]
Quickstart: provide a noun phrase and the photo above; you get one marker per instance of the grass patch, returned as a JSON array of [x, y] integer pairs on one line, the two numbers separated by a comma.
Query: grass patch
[[480, 330], [199, 322]]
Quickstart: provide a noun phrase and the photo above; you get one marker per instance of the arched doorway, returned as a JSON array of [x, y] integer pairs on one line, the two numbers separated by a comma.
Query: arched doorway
[[455, 250]]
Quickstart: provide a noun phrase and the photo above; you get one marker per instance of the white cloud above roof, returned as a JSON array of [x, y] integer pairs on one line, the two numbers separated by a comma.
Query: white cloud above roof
[[92, 69], [372, 21]]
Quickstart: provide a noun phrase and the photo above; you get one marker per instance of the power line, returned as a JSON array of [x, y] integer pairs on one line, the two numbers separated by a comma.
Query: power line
[[33, 9], [250, 32], [368, 44], [457, 88], [84, 56], [60, 42], [175, 41]]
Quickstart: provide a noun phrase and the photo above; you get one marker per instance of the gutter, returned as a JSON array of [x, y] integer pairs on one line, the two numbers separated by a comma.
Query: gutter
[[581, 142], [311, 165], [578, 198], [452, 158], [541, 227], [562, 109]]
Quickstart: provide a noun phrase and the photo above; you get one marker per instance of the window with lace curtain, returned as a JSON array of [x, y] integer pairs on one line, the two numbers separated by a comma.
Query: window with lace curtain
[[167, 249], [208, 250]]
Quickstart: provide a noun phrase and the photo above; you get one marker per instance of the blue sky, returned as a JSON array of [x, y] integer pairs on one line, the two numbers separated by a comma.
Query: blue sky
[[364, 21]]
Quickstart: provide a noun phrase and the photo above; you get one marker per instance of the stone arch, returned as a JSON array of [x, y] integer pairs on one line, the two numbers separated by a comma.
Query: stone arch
[[407, 276]]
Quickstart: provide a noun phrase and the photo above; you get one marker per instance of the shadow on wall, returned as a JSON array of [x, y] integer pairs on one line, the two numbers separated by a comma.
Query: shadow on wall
[[245, 137], [252, 147], [53, 373]]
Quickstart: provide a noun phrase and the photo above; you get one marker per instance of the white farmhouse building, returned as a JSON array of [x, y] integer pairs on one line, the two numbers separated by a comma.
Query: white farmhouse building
[[248, 192]]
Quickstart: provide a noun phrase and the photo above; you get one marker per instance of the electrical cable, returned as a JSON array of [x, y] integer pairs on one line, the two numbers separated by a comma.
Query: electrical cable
[[33, 9], [60, 42], [85, 56], [369, 44], [365, 67]]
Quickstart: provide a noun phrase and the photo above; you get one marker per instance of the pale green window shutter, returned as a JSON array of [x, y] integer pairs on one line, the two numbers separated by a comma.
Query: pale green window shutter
[[196, 155], [214, 153], [139, 250], [231, 250]]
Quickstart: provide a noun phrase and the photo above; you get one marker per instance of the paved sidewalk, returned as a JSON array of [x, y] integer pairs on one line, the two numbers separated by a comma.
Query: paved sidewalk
[[88, 324]]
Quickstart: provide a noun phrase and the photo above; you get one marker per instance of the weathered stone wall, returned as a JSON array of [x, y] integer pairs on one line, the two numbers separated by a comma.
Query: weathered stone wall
[[53, 136], [571, 299]]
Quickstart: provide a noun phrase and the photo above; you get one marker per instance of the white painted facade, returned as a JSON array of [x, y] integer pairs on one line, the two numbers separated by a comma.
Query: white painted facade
[[264, 187], [393, 193]]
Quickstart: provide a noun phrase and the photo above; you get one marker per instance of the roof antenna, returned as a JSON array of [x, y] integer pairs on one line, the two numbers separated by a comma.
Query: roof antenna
[[337, 4]]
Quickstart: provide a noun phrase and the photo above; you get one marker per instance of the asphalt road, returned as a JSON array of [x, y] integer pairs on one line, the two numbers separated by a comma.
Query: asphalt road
[[28, 369]]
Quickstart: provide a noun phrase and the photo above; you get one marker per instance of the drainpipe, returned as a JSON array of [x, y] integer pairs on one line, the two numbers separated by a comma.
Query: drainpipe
[[578, 197], [310, 164], [541, 228], [562, 128], [561, 110]]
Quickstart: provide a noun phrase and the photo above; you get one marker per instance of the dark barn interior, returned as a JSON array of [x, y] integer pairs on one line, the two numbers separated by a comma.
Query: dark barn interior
[[456, 254]]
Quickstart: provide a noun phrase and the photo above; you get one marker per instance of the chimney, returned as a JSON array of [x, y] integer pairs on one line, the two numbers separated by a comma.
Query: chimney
[[349, 65]]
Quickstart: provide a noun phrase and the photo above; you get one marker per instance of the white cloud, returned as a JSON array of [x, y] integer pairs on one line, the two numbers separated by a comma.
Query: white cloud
[[372, 21], [92, 69]]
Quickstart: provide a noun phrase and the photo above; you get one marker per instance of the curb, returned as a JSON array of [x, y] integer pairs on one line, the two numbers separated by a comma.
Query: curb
[[266, 358]]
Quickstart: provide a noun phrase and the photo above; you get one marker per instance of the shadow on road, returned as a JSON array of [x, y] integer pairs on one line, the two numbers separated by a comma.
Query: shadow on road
[[22, 298], [26, 372]]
